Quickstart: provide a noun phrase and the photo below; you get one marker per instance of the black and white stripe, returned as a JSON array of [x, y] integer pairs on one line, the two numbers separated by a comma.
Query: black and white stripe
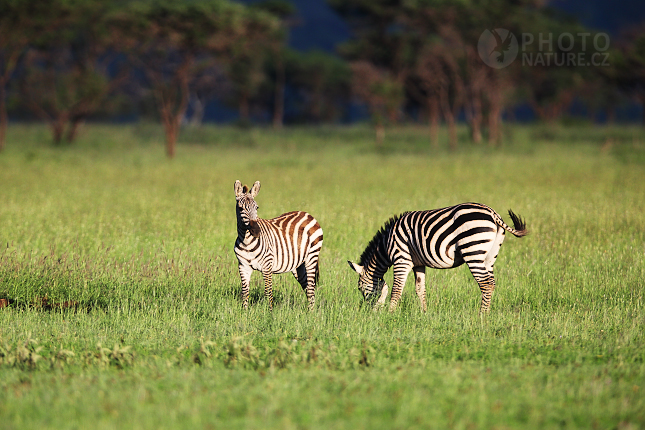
[[288, 243], [469, 233]]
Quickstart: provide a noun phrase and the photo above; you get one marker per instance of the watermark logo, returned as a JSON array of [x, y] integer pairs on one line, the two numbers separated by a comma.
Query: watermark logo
[[497, 48]]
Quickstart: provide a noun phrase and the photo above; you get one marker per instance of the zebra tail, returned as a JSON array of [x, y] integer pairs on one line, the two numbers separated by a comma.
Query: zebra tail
[[519, 225]]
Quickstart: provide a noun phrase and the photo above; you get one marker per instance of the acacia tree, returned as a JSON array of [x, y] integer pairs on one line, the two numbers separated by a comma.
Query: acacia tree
[[247, 55], [438, 73], [381, 34], [209, 81], [439, 82], [552, 83], [21, 22], [419, 46], [380, 56], [67, 74], [69, 67], [246, 73], [323, 82], [428, 78], [629, 66], [169, 42], [382, 93], [447, 45], [431, 45], [284, 10]]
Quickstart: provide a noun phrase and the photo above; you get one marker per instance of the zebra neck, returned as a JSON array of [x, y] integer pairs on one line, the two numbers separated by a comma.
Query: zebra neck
[[251, 230], [375, 259], [241, 229], [374, 270]]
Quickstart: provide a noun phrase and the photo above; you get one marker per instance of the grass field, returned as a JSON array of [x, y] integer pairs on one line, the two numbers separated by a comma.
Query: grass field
[[123, 311]]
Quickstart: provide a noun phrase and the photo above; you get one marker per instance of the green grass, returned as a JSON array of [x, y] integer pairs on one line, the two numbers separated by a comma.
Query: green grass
[[124, 293]]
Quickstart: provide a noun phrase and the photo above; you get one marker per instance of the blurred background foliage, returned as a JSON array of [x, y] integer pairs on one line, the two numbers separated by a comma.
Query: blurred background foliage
[[405, 61]]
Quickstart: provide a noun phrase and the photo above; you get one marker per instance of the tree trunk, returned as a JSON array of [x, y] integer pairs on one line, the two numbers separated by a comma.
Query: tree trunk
[[278, 109], [171, 123], [380, 133], [171, 140], [58, 128], [476, 125], [494, 121], [72, 130], [449, 117], [10, 64], [494, 94], [172, 102], [433, 120], [452, 130], [171, 126]]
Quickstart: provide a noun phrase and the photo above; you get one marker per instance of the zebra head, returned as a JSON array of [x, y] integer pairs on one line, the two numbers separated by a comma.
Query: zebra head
[[368, 284], [247, 208]]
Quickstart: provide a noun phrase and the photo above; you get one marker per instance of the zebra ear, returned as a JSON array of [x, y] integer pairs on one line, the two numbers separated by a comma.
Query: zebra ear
[[256, 189], [238, 189], [357, 268]]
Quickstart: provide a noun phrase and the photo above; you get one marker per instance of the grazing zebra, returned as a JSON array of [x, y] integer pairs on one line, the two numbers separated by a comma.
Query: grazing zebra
[[288, 243], [469, 233]]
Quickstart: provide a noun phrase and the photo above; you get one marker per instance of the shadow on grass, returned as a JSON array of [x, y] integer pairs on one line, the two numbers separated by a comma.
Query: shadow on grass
[[45, 304]]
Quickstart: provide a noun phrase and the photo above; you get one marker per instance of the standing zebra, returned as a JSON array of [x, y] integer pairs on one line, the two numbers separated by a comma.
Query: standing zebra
[[469, 233], [288, 243]]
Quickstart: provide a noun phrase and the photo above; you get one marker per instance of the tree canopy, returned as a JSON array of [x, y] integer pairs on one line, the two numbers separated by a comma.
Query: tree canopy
[[67, 61]]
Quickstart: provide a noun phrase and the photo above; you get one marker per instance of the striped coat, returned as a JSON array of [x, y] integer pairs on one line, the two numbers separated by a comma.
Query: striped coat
[[288, 243], [469, 233]]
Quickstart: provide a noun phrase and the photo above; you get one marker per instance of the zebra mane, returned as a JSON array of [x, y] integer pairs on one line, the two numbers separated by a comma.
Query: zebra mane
[[377, 239]]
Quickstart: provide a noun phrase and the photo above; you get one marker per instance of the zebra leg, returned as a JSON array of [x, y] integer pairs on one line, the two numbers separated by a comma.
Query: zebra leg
[[312, 267], [268, 287], [300, 273], [245, 276], [485, 280], [487, 287], [381, 300], [420, 284], [306, 276], [487, 284], [482, 269], [401, 272]]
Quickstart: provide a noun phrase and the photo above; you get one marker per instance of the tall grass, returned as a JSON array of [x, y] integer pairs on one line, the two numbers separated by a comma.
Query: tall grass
[[123, 291]]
